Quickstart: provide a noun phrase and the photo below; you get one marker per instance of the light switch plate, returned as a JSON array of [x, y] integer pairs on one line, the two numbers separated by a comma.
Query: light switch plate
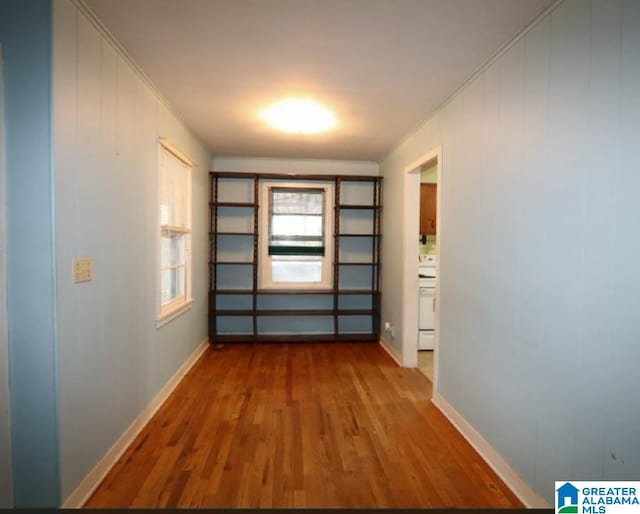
[[82, 269]]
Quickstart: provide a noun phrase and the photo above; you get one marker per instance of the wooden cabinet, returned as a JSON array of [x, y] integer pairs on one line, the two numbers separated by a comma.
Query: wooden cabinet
[[428, 208]]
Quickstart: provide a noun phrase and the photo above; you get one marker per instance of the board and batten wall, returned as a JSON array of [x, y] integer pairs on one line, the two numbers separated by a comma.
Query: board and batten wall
[[539, 340], [112, 359]]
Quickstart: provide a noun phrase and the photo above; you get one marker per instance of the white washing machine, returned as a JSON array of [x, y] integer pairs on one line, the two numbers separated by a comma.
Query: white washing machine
[[426, 301]]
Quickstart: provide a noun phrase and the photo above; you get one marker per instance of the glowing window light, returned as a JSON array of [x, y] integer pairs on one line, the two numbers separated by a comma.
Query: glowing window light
[[299, 116]]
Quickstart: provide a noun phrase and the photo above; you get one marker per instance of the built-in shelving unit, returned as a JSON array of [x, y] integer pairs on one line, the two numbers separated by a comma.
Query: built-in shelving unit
[[239, 311]]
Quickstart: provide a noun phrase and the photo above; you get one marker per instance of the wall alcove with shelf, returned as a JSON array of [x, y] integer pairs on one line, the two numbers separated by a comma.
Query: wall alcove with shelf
[[241, 310]]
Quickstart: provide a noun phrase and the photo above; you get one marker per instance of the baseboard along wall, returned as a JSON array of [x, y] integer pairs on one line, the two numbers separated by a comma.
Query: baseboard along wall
[[387, 347], [93, 479], [509, 476]]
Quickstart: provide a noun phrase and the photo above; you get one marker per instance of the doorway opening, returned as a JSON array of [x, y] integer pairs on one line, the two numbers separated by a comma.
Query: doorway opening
[[421, 238]]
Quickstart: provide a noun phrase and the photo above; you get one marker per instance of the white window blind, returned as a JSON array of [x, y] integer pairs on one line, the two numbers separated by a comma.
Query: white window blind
[[296, 245], [296, 221], [174, 199]]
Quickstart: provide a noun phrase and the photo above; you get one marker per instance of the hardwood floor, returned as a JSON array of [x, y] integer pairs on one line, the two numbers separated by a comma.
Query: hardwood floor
[[301, 425], [425, 363]]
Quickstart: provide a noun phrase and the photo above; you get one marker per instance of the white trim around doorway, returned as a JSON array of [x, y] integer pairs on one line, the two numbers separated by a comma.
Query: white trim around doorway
[[409, 343]]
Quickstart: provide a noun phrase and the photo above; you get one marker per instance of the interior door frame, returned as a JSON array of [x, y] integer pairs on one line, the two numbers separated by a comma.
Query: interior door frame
[[410, 288]]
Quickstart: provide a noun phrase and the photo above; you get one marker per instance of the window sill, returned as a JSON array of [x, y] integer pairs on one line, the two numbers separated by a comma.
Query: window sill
[[171, 312]]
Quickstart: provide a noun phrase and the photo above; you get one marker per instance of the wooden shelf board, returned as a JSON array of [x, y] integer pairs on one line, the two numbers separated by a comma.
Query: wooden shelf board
[[294, 312], [228, 312], [342, 234], [360, 178], [340, 292], [369, 292], [364, 337], [294, 291], [232, 204], [233, 174], [343, 178], [232, 234], [357, 207], [227, 263]]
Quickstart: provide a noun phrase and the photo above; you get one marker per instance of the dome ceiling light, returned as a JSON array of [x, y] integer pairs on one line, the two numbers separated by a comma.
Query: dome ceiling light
[[299, 116]]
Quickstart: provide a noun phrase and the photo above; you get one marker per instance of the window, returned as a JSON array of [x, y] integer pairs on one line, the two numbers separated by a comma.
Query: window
[[296, 235], [174, 200]]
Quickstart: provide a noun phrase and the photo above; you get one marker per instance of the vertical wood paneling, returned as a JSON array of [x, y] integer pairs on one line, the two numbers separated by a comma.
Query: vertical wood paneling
[[622, 451], [564, 187], [450, 137], [506, 198], [558, 341], [105, 158], [489, 212], [469, 107], [530, 239], [114, 256], [89, 301], [65, 133], [505, 347], [90, 200], [593, 361], [145, 103], [486, 113], [564, 216], [120, 317]]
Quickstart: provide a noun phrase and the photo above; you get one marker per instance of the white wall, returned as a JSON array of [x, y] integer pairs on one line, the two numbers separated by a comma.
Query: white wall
[[6, 474], [112, 360], [302, 166], [538, 331]]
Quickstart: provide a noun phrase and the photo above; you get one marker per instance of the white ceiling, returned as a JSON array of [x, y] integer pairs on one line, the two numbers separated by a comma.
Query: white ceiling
[[382, 66]]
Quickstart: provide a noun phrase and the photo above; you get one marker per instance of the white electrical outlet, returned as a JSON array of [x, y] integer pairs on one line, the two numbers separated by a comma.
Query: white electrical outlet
[[387, 326], [82, 269]]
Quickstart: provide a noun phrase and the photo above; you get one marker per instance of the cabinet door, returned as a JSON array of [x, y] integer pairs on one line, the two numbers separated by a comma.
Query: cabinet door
[[428, 194], [426, 308]]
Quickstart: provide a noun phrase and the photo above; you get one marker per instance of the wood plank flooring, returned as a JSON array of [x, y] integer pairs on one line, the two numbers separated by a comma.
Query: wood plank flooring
[[301, 425]]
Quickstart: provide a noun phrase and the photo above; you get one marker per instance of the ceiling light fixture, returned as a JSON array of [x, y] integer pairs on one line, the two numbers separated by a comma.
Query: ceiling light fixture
[[299, 116]]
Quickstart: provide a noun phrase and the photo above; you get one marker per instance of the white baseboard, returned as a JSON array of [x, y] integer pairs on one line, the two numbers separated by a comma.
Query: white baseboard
[[386, 346], [520, 488], [93, 479]]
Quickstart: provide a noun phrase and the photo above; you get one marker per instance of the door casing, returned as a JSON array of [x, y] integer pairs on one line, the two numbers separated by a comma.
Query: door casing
[[410, 289]]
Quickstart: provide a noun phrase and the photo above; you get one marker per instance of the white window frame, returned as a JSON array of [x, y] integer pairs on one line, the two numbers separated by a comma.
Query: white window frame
[[264, 264], [179, 305]]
